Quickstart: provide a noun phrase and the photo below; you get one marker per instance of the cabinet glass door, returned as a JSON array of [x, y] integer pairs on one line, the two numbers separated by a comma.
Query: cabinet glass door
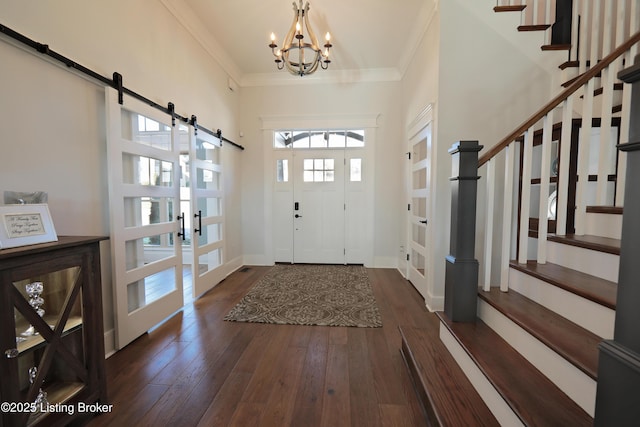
[[50, 350]]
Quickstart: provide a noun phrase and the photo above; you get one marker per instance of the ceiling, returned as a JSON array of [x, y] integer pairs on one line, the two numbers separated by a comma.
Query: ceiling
[[372, 39]]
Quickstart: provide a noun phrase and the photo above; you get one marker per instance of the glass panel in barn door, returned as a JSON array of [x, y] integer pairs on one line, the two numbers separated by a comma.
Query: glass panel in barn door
[[205, 183], [144, 195], [418, 268]]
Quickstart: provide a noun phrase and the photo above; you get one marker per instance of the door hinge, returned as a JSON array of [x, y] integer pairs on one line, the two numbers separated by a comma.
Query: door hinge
[[407, 257], [409, 154], [345, 206], [409, 207], [344, 251]]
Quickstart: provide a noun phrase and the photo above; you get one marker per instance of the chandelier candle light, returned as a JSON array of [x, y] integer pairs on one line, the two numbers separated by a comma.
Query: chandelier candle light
[[301, 58]]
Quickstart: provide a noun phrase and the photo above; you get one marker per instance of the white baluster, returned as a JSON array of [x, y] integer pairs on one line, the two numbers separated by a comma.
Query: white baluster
[[526, 196], [575, 29], [607, 80], [488, 228], [583, 157], [507, 216], [584, 36], [549, 18], [543, 210], [595, 33], [563, 168]]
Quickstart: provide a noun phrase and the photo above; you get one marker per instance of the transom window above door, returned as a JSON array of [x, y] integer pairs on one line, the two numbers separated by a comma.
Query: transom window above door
[[313, 139]]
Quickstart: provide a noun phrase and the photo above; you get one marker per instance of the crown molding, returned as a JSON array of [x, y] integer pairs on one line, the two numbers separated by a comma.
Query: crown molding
[[322, 77], [190, 21], [425, 18]]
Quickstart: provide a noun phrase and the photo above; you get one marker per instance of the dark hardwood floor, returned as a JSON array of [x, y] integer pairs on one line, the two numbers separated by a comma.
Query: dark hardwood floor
[[198, 370]]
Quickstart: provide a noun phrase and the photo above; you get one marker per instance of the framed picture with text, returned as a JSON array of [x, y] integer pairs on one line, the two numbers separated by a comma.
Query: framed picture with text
[[22, 225]]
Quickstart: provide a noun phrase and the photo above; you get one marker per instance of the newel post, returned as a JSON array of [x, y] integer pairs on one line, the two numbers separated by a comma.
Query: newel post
[[461, 274], [618, 393]]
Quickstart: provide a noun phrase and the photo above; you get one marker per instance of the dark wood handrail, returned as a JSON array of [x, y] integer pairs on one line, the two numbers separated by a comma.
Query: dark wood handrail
[[577, 84]]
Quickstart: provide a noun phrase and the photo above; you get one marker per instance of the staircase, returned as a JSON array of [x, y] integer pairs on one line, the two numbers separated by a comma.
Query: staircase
[[549, 288]]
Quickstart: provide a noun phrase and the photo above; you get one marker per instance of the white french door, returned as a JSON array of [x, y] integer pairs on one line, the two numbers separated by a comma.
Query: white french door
[[207, 219], [143, 150], [419, 234], [319, 206]]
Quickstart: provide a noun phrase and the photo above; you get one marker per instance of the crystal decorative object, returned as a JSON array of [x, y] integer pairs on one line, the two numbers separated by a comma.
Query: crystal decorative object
[[34, 290]]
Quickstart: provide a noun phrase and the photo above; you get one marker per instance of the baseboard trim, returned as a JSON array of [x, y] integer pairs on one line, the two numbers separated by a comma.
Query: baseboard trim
[[109, 343]]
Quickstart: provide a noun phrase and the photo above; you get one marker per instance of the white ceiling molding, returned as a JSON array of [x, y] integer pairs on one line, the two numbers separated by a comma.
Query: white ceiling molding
[[328, 76], [185, 16], [194, 24], [427, 14]]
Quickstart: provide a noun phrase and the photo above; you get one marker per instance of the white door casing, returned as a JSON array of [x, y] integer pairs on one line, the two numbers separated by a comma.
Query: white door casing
[[359, 196], [347, 201]]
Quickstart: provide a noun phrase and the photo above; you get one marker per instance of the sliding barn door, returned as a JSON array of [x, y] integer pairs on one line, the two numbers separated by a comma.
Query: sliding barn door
[[143, 153], [207, 218]]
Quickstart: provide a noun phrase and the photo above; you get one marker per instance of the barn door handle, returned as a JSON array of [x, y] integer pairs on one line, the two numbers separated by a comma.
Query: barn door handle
[[199, 229], [182, 232]]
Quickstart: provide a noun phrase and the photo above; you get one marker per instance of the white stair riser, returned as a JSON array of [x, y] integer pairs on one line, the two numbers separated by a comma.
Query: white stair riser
[[580, 387], [588, 314], [604, 225], [494, 401], [599, 264]]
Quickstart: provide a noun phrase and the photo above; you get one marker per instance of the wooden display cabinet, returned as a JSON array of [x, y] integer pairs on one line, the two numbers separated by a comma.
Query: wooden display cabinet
[[51, 336]]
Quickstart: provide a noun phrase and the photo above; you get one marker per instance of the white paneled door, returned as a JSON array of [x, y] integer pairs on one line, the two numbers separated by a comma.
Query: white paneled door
[[319, 206], [143, 150], [419, 251], [207, 219]]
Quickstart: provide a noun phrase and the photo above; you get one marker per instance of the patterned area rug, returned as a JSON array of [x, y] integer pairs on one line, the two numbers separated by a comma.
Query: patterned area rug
[[324, 295]]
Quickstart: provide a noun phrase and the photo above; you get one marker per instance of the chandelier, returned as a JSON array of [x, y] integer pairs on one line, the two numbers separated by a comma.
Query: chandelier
[[299, 56]]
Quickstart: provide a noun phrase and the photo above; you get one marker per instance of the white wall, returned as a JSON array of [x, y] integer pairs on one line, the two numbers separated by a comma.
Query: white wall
[[53, 133], [483, 80], [311, 101], [480, 81]]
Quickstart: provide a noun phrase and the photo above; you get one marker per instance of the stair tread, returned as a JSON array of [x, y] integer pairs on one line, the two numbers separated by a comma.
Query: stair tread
[[574, 343], [515, 8], [548, 47], [597, 243], [612, 210], [451, 399], [532, 396], [539, 27], [593, 288]]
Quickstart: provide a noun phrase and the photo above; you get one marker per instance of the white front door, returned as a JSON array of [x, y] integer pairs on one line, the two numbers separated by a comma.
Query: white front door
[[143, 153], [419, 251], [207, 219], [318, 206]]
